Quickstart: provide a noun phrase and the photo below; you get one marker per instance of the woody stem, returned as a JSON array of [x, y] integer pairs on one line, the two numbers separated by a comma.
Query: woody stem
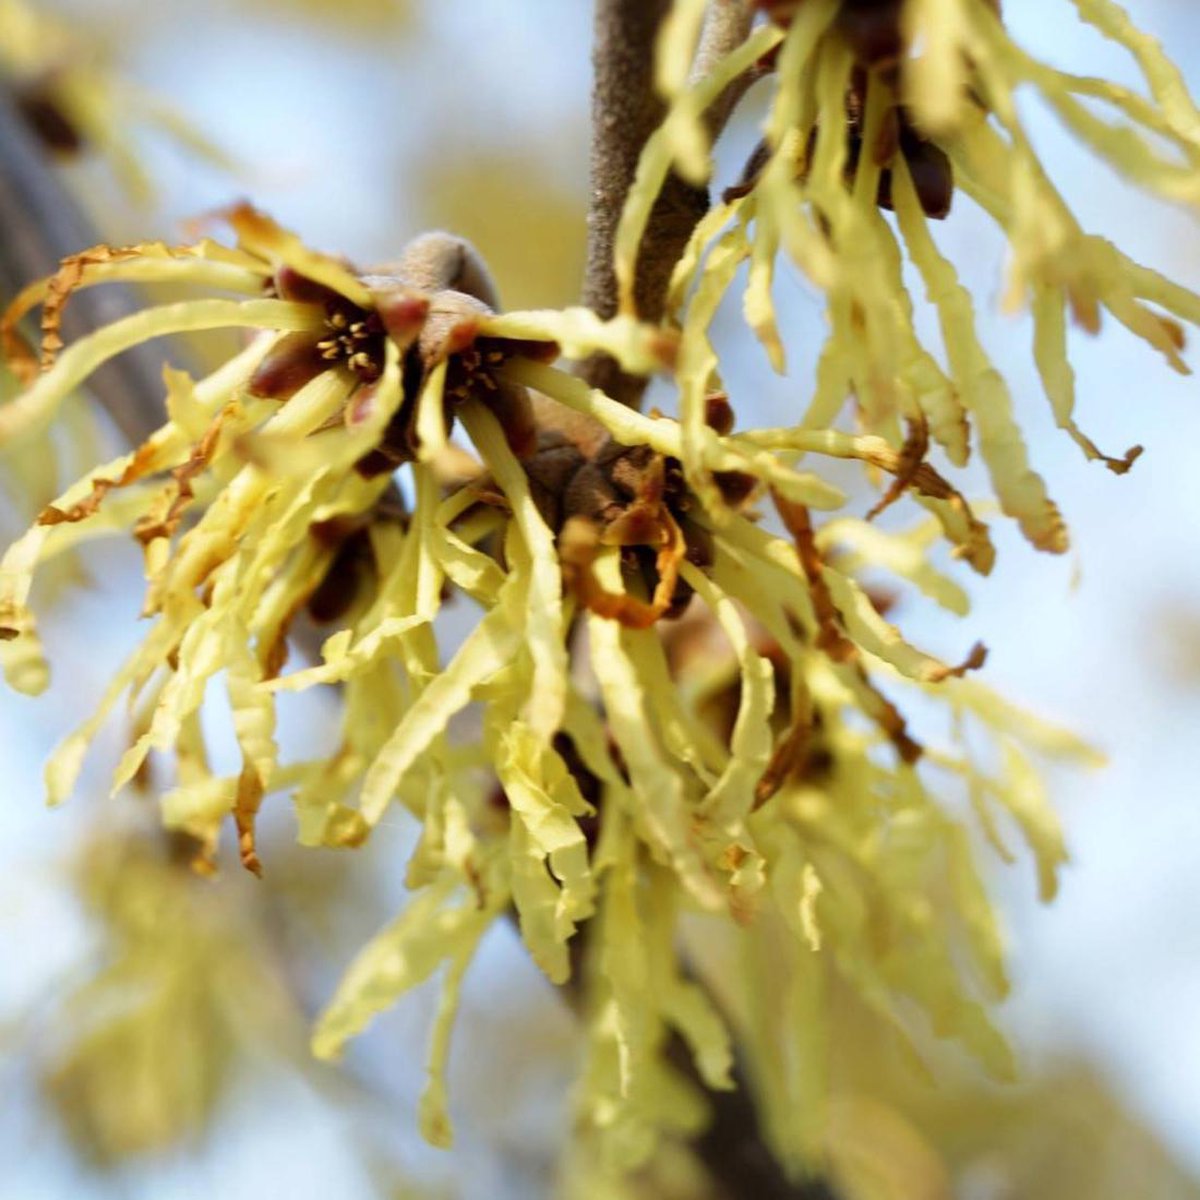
[[626, 110]]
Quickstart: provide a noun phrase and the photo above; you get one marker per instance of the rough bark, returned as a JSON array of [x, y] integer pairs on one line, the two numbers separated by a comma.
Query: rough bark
[[626, 110]]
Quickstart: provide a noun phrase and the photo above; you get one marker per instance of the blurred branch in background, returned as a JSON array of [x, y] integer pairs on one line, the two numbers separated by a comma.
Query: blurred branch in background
[[41, 224]]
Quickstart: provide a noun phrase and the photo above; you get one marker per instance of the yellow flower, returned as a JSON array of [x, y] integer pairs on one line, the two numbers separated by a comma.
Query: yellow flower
[[756, 770], [901, 105]]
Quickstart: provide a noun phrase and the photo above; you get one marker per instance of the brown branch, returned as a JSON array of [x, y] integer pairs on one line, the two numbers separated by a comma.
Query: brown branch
[[625, 111], [726, 26], [40, 224], [732, 1148]]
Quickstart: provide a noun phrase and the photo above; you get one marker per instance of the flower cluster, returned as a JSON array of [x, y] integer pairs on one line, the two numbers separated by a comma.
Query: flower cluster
[[729, 761]]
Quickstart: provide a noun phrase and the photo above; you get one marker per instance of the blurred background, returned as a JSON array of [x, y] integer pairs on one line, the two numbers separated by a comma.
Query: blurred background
[[153, 1025]]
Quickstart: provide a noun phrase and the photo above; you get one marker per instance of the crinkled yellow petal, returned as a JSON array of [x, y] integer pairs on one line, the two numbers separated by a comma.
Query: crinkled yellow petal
[[433, 1109], [489, 648], [545, 632], [259, 234], [205, 264], [624, 960], [757, 304], [974, 909], [552, 882], [690, 1010], [32, 411], [1021, 491], [935, 80], [467, 568], [62, 768], [406, 953], [903, 556], [675, 46], [578, 332], [1024, 795], [732, 796], [1166, 81], [1058, 376], [1043, 736], [663, 434], [253, 712], [697, 367], [684, 273], [792, 119], [431, 419], [343, 657], [661, 804], [1121, 145]]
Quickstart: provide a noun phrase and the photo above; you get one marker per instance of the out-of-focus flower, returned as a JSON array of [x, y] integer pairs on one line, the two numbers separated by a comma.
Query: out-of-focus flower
[[768, 788], [135, 1059], [74, 101]]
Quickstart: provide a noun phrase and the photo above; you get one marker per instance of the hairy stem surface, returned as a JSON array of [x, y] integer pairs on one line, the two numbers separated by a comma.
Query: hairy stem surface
[[626, 110]]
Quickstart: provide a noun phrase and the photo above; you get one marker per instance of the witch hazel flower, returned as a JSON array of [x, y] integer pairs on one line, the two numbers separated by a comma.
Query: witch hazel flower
[[693, 711]]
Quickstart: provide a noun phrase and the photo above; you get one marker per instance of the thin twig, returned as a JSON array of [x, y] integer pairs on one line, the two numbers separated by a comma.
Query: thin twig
[[726, 26], [625, 111]]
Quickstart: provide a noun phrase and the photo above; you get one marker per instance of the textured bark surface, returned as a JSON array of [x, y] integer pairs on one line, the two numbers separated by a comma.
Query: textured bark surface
[[625, 111]]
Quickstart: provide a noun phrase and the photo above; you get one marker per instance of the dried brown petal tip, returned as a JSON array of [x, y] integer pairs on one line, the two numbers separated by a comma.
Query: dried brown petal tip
[[718, 413], [636, 526], [1123, 465], [664, 345], [1175, 332], [974, 660]]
